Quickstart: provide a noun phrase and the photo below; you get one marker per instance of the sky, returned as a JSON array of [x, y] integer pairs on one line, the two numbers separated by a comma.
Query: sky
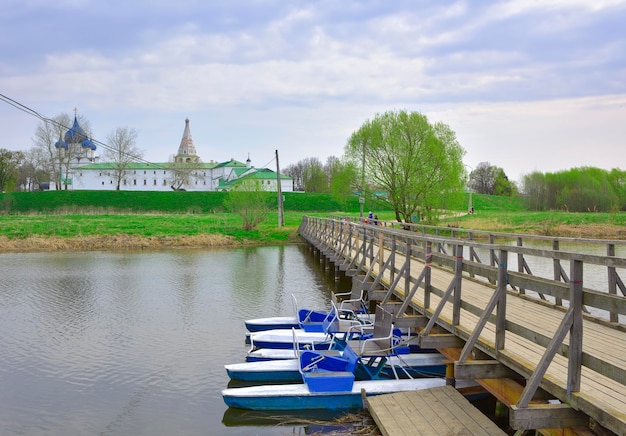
[[527, 85]]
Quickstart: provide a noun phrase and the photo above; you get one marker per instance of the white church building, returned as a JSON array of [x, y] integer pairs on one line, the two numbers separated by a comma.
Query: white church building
[[186, 173]]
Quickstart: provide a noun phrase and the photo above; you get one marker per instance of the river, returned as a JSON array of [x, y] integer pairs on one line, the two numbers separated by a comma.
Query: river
[[134, 343]]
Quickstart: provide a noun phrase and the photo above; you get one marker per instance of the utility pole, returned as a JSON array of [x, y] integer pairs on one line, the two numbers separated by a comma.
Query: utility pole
[[361, 197], [281, 213]]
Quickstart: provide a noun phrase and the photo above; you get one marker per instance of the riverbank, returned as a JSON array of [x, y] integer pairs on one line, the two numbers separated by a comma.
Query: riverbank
[[83, 232], [115, 242], [560, 224]]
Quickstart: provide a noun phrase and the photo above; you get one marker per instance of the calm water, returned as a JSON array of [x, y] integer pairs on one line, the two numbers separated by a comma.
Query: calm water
[[135, 343]]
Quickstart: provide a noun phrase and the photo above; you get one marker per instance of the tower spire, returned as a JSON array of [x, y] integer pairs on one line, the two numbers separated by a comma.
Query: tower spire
[[186, 150]]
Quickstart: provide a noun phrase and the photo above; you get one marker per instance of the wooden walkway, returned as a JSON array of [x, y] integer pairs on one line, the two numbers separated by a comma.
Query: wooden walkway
[[522, 349], [431, 412]]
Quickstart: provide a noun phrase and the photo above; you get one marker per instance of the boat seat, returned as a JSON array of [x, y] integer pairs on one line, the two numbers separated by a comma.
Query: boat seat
[[353, 300], [381, 342]]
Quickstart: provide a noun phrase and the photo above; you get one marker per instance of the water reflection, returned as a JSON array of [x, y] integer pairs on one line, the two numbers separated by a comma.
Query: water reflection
[[135, 343]]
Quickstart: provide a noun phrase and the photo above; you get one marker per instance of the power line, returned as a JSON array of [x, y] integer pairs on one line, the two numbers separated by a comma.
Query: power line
[[36, 114], [45, 119]]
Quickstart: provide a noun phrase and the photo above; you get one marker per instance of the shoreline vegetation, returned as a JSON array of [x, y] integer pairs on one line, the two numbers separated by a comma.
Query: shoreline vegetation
[[127, 220], [111, 232]]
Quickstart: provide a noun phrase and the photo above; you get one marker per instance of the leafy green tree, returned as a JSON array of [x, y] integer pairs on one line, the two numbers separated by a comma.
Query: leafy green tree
[[617, 178], [315, 179], [585, 189], [343, 176], [250, 201], [9, 164], [411, 160]]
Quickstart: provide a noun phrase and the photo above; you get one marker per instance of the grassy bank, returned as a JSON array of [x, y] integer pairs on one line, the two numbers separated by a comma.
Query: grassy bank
[[77, 221], [116, 231], [566, 224]]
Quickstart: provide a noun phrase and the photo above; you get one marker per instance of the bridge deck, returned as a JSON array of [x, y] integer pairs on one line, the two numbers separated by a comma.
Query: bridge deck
[[599, 395], [602, 393]]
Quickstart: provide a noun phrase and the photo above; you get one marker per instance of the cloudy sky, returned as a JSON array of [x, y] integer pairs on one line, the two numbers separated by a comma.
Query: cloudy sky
[[527, 85]]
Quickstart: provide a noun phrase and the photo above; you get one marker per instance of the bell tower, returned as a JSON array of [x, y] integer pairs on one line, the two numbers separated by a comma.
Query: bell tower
[[186, 150]]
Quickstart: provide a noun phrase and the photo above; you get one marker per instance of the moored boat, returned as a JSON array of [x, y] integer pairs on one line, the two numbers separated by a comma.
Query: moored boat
[[299, 397], [288, 369], [308, 319]]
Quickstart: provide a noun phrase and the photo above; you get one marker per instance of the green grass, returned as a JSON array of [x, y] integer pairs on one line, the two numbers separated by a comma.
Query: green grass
[[149, 225], [67, 214]]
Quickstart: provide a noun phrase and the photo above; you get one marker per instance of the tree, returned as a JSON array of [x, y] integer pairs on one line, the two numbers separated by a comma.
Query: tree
[[296, 172], [250, 201], [62, 144], [492, 180], [343, 176], [315, 179], [9, 163], [412, 161], [122, 151], [482, 180], [308, 175], [184, 173], [33, 170]]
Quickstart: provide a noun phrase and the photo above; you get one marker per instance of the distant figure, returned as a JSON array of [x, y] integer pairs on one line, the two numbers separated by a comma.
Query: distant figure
[[375, 220], [370, 215]]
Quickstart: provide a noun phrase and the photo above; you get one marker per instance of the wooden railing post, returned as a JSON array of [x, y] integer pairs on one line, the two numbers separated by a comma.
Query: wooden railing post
[[458, 276], [576, 329], [501, 308], [428, 262], [520, 261], [558, 270], [610, 251], [407, 270]]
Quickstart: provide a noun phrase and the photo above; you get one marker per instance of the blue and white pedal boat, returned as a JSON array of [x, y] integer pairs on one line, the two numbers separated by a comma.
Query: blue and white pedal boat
[[272, 323], [307, 319], [299, 397], [284, 339], [288, 370]]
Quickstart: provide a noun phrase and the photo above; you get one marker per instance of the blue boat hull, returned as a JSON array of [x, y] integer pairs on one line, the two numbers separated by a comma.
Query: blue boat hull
[[266, 369], [263, 324], [298, 396]]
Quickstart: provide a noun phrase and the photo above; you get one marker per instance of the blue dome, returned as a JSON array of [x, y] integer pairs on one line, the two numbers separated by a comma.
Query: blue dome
[[76, 134], [61, 144], [88, 143]]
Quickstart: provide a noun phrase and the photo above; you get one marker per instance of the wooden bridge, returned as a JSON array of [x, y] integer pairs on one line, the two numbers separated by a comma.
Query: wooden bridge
[[549, 345]]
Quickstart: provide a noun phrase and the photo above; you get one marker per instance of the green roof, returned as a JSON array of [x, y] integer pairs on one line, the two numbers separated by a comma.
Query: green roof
[[157, 165]]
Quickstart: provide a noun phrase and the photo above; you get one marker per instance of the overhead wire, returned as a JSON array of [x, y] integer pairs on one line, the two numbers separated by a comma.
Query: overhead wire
[[52, 121], [45, 119]]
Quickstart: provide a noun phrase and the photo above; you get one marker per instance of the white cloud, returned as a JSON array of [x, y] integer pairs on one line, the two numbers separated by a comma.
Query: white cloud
[[507, 76]]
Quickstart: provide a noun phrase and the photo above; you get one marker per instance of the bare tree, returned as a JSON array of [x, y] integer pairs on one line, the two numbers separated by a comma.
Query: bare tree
[[34, 170], [62, 144], [183, 173], [122, 151]]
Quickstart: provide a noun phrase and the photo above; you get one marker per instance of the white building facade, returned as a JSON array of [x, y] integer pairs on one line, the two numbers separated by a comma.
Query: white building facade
[[186, 173]]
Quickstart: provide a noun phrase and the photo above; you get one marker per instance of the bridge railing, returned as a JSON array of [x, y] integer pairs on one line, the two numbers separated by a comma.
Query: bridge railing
[[390, 251], [539, 261]]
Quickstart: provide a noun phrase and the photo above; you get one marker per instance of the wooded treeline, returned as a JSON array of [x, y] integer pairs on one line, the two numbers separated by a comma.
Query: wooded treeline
[[584, 189]]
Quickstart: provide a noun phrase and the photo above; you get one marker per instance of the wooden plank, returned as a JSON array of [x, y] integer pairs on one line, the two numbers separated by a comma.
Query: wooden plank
[[430, 412], [529, 324]]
